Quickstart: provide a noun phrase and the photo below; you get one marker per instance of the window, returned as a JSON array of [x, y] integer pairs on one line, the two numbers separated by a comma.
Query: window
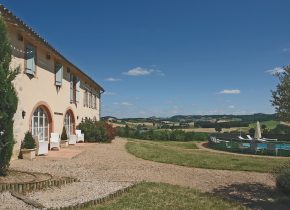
[[86, 98], [58, 74], [74, 89], [30, 60]]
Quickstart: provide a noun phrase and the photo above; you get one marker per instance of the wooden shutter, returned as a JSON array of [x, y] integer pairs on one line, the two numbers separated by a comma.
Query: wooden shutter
[[71, 88], [58, 74], [78, 85], [30, 60]]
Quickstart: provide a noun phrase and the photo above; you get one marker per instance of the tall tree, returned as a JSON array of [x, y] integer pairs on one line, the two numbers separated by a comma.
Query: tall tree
[[281, 96], [8, 100]]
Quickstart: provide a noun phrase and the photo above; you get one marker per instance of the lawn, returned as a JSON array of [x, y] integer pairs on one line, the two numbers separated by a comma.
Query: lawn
[[174, 154], [164, 196], [174, 144]]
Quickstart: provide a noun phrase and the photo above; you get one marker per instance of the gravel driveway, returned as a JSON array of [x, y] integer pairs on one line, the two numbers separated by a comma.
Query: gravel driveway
[[112, 163]]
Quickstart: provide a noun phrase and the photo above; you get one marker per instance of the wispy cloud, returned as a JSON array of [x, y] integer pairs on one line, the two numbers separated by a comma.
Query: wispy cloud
[[112, 79], [276, 70], [226, 91], [124, 103], [231, 106], [286, 49], [109, 93], [140, 71]]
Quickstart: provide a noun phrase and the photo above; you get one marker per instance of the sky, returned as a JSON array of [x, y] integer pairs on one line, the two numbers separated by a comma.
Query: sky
[[170, 57]]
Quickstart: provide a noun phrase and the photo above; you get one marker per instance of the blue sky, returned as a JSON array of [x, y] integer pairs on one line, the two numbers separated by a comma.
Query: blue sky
[[168, 57]]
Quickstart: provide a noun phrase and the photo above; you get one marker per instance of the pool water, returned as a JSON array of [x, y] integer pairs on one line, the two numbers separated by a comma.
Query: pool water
[[264, 146]]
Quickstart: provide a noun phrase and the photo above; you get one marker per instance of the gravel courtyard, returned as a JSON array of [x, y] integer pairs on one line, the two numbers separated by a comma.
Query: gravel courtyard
[[110, 163]]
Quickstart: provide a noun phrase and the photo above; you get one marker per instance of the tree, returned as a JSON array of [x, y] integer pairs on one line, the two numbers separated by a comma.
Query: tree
[[218, 128], [8, 102], [281, 96]]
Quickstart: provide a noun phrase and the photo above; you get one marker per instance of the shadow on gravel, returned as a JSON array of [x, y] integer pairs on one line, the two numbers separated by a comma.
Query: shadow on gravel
[[255, 196]]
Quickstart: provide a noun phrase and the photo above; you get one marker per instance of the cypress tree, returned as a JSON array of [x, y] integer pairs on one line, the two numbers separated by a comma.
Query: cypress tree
[[8, 100]]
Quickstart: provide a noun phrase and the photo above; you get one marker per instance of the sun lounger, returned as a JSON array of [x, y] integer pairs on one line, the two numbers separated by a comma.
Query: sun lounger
[[72, 139], [249, 137]]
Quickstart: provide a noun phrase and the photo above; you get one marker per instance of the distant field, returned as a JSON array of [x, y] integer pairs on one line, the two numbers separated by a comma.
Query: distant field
[[212, 130]]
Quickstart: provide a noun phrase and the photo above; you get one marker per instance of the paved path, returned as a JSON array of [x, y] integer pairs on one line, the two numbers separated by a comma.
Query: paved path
[[111, 162]]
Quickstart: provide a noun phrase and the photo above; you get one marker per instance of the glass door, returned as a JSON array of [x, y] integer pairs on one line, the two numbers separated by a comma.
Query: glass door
[[40, 125]]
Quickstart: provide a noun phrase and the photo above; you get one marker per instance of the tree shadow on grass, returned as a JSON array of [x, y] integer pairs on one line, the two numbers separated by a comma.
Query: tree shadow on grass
[[255, 196]]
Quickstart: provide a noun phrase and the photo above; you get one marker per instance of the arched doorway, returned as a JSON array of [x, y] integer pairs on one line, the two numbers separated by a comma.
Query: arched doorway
[[69, 123], [40, 124]]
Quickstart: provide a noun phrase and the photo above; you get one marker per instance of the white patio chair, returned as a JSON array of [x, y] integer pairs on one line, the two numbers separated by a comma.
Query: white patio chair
[[42, 146], [54, 141], [80, 136], [72, 139]]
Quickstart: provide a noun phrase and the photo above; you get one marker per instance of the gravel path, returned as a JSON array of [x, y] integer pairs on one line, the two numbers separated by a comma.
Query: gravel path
[[7, 201], [75, 193], [111, 162]]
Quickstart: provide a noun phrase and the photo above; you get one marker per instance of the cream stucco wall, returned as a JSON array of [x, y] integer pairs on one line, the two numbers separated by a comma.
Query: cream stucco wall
[[41, 89]]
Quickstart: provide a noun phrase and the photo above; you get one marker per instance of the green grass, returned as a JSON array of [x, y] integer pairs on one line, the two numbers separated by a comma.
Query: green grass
[[164, 196], [175, 144], [201, 159]]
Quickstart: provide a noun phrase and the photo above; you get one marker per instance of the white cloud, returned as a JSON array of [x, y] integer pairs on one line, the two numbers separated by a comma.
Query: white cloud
[[109, 93], [286, 49], [235, 91], [125, 103], [231, 106], [139, 71], [111, 79], [275, 70]]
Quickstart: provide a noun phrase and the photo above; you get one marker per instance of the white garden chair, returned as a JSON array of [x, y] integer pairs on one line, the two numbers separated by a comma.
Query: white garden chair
[[72, 139], [80, 136], [54, 141], [42, 146]]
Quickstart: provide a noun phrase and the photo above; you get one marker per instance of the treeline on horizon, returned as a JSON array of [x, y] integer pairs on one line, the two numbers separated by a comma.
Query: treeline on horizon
[[195, 118]]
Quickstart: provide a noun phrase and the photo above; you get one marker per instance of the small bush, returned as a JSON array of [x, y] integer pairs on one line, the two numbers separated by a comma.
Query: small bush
[[63, 134], [97, 131], [29, 141], [282, 174]]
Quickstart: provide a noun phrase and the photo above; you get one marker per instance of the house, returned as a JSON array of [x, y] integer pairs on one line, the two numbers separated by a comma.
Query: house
[[52, 91]]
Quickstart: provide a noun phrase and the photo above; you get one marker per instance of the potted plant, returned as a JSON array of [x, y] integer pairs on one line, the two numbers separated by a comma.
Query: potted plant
[[28, 147], [64, 139]]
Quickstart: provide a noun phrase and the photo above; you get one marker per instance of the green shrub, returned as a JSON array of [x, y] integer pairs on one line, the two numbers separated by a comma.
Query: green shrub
[[97, 131], [8, 102], [282, 174], [29, 141], [63, 134]]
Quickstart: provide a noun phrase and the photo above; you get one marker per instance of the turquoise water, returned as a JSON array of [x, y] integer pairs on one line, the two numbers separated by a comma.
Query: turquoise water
[[283, 146], [264, 146]]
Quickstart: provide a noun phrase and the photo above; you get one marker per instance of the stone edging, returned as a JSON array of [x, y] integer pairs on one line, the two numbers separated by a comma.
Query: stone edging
[[39, 185], [92, 203]]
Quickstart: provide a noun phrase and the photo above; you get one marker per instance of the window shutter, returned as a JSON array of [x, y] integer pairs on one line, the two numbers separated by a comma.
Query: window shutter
[[30, 60], [71, 88], [58, 74], [78, 85]]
